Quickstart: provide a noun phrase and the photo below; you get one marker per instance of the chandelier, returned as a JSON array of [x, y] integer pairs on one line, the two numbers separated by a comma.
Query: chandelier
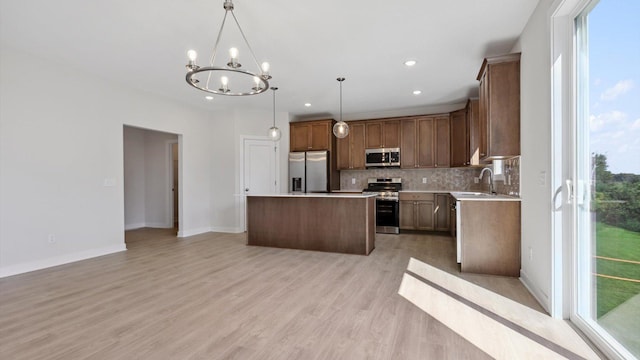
[[228, 79]]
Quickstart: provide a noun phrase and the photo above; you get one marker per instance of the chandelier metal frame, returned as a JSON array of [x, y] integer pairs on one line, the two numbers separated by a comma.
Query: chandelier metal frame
[[261, 79]]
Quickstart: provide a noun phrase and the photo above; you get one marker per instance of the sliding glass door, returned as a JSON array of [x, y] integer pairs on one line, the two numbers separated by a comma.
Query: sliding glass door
[[606, 165]]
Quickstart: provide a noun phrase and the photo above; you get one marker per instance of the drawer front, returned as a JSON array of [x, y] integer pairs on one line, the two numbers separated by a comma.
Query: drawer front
[[417, 196]]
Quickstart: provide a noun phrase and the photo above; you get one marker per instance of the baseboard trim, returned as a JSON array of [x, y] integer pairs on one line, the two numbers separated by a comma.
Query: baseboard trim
[[59, 260], [187, 233], [542, 299], [223, 229], [134, 226]]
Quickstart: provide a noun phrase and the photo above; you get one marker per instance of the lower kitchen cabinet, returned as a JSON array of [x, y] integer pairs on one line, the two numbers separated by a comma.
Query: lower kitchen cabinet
[[416, 211], [489, 237], [442, 212], [424, 211]]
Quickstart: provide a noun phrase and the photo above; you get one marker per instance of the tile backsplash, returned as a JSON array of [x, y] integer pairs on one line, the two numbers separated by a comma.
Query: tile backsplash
[[436, 179], [446, 179]]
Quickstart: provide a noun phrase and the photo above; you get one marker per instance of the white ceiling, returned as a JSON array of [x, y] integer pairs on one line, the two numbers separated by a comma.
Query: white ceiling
[[143, 43]]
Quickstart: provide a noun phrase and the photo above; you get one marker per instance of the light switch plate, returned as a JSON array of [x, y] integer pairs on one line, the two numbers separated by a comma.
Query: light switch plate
[[424, 180], [353, 181]]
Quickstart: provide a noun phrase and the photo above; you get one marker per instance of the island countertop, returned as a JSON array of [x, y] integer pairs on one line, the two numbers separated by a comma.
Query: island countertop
[[316, 195]]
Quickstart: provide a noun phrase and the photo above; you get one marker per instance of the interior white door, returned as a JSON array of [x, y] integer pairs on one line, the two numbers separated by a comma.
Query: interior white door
[[260, 168]]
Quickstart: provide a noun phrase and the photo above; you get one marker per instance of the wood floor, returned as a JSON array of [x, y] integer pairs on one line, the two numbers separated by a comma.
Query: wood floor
[[212, 297]]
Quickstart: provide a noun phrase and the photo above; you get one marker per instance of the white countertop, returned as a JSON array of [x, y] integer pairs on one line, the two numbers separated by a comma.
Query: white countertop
[[317, 195], [468, 195], [478, 196]]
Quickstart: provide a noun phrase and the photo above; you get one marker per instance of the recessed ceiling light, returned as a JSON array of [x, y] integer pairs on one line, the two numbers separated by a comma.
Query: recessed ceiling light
[[410, 62], [417, 92], [209, 97], [307, 105]]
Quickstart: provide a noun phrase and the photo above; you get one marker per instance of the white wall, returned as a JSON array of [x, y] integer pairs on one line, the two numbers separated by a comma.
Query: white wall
[[535, 45], [61, 137], [227, 199]]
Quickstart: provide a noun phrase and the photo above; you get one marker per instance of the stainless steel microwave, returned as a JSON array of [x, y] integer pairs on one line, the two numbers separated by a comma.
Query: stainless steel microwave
[[382, 157]]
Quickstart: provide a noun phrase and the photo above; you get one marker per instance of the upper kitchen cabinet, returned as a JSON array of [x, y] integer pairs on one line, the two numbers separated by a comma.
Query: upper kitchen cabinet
[[459, 138], [351, 148], [499, 107], [425, 142], [311, 135], [383, 134], [476, 134]]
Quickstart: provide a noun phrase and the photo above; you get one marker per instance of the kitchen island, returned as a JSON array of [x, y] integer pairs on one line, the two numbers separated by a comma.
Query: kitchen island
[[343, 223]]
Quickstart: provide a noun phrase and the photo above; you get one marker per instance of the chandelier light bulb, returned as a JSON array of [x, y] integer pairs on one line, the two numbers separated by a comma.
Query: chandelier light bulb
[[192, 55], [224, 80], [265, 67], [233, 52]]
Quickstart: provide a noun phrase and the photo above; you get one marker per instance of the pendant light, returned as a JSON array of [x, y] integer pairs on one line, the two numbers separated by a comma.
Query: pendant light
[[341, 128], [274, 132]]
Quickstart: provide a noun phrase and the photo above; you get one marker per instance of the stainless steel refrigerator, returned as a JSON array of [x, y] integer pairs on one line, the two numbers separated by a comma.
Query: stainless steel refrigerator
[[309, 171]]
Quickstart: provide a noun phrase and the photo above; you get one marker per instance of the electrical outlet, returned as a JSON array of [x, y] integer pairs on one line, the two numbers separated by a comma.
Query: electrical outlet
[[51, 239], [353, 181], [530, 253], [424, 180], [508, 179], [476, 180], [542, 178]]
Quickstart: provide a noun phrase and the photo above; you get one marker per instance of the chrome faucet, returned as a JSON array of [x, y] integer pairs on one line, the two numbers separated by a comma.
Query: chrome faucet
[[491, 190]]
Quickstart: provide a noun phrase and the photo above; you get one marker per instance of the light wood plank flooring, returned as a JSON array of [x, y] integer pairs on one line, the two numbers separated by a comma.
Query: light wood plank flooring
[[212, 297]]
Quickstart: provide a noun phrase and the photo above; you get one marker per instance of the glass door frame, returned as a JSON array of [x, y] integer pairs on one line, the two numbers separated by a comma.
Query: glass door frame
[[571, 275]]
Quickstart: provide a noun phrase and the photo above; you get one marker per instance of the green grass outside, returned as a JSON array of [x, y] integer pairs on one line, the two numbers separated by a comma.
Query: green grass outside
[[620, 244]]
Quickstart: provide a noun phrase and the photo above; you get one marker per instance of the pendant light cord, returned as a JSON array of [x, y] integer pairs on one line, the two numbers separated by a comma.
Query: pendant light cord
[[274, 105]]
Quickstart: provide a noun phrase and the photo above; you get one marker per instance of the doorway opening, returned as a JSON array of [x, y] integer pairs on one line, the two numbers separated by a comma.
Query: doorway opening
[[151, 179]]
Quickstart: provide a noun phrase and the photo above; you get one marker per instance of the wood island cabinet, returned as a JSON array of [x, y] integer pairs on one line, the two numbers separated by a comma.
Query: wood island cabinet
[[351, 148], [382, 134], [499, 107], [424, 142], [311, 135]]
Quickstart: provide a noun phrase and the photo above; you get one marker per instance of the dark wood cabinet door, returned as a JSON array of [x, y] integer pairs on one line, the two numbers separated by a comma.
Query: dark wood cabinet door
[[473, 119], [343, 152], [442, 212], [483, 117], [442, 142], [357, 135], [300, 137], [426, 152], [391, 134], [504, 109], [320, 135], [408, 144], [374, 135], [424, 215], [459, 139], [407, 215]]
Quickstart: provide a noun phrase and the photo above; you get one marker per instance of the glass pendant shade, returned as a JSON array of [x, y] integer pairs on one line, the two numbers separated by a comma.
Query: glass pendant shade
[[274, 133], [341, 129]]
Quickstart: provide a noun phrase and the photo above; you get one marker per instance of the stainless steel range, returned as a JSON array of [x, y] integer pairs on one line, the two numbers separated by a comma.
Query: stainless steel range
[[387, 203]]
